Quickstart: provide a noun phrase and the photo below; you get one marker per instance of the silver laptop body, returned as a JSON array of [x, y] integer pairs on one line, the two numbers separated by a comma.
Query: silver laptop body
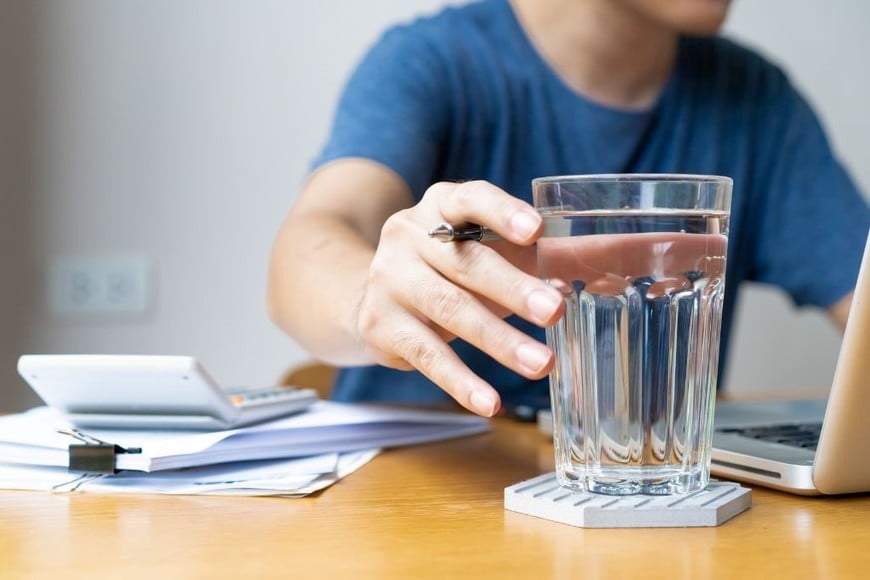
[[771, 443]]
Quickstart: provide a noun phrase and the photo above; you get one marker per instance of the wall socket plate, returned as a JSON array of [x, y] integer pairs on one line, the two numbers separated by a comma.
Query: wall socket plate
[[92, 285]]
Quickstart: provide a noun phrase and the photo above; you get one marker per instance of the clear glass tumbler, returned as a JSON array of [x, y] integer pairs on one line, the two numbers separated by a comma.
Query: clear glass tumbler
[[640, 260]]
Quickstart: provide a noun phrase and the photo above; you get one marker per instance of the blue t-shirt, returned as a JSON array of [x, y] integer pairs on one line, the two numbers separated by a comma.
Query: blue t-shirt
[[464, 95]]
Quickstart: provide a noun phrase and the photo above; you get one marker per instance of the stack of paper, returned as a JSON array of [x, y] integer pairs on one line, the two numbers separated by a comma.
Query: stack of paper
[[290, 456], [271, 477]]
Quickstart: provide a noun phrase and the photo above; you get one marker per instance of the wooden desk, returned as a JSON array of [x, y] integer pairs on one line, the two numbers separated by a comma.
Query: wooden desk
[[431, 511]]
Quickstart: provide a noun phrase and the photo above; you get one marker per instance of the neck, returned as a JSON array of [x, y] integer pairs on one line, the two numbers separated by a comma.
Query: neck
[[601, 48]]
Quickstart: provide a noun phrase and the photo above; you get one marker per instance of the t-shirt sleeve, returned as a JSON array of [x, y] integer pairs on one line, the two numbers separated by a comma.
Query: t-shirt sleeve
[[814, 220], [393, 110]]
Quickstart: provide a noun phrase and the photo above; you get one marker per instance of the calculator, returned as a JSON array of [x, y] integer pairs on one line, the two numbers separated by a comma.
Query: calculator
[[152, 392]]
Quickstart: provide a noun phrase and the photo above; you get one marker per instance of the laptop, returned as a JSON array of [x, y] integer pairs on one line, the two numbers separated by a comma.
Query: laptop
[[808, 447]]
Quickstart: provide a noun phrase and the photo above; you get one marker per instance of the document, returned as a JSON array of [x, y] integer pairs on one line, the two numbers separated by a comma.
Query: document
[[274, 477], [37, 437]]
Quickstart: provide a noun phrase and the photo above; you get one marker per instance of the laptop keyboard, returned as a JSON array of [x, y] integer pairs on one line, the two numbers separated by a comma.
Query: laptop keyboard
[[803, 435]]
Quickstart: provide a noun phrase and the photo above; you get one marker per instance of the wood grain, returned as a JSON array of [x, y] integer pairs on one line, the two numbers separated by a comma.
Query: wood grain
[[429, 511]]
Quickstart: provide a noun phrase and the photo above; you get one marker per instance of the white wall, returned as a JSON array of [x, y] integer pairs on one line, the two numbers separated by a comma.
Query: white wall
[[17, 87], [181, 130]]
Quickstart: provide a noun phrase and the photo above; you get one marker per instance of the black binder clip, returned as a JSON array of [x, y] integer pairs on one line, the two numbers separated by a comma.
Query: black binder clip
[[93, 455]]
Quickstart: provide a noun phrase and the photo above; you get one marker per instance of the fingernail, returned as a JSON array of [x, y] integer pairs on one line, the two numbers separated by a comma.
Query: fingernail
[[524, 224], [543, 304], [534, 356], [484, 403]]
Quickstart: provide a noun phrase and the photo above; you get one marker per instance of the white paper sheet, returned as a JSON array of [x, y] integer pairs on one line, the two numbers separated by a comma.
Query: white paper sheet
[[327, 427], [279, 477]]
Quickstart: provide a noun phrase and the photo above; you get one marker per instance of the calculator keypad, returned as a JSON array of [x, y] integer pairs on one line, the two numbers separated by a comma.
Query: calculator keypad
[[262, 396]]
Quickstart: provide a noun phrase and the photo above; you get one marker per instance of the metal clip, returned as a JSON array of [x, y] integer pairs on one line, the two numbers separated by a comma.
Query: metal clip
[[93, 455]]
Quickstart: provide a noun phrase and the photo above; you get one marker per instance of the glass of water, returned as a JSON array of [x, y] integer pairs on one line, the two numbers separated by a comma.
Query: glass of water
[[640, 260]]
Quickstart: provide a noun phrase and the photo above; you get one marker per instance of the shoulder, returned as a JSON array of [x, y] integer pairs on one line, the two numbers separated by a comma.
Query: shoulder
[[431, 58], [451, 22], [728, 64], [453, 36], [742, 85]]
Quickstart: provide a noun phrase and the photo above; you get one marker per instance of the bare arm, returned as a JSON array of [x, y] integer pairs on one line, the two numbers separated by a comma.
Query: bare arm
[[355, 279], [321, 257], [839, 312]]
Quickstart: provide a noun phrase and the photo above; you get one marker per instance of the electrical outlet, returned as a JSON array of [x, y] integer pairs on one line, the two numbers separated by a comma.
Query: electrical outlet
[[100, 285]]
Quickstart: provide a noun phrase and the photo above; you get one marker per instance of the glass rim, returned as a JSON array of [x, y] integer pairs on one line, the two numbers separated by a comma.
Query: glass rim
[[699, 178]]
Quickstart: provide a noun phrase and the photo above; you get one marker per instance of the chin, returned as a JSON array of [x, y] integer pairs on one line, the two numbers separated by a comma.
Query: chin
[[690, 17], [698, 17]]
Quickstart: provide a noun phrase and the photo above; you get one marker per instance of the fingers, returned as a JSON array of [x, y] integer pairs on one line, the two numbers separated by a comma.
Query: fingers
[[429, 354], [421, 293], [399, 339], [492, 274], [418, 289], [485, 204], [462, 314], [487, 273]]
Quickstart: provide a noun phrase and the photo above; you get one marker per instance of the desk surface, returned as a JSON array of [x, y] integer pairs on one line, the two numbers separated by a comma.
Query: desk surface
[[430, 511]]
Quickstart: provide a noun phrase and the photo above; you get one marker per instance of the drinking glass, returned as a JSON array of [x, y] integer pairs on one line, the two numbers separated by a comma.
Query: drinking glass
[[640, 261]]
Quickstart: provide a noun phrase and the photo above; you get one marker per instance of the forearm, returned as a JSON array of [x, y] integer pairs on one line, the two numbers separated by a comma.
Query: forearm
[[839, 312], [357, 283], [318, 272], [322, 256]]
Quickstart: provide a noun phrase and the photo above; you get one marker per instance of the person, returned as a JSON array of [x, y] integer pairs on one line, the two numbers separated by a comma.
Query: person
[[448, 119]]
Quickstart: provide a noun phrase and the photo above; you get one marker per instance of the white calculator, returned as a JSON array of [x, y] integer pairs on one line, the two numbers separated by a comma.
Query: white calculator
[[144, 392]]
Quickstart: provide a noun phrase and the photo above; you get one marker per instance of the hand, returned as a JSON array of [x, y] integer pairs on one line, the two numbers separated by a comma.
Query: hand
[[422, 293]]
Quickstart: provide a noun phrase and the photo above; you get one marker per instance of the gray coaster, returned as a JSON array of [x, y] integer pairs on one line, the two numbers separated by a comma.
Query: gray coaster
[[543, 497]]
